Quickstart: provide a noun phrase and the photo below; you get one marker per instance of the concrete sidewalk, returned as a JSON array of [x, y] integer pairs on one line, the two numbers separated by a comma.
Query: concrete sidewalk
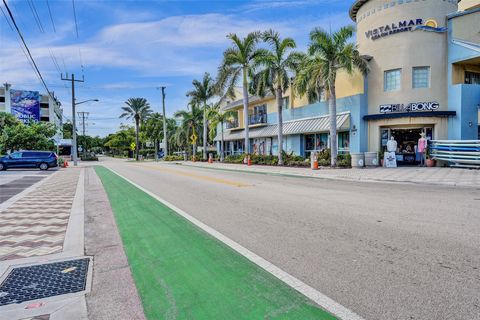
[[419, 175]]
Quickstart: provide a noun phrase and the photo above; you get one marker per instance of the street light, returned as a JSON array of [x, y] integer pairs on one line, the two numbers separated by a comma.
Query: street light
[[74, 133]]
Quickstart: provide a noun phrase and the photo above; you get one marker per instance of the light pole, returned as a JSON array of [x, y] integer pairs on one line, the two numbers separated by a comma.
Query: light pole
[[165, 138], [74, 133]]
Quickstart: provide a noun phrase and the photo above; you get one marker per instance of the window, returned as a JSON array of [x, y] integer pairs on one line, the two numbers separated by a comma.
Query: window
[[392, 80], [16, 155], [421, 77], [472, 77], [286, 103], [315, 142], [259, 115], [343, 141]]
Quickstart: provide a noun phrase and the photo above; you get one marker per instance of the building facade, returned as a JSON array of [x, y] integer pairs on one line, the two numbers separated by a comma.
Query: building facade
[[424, 59], [31, 105]]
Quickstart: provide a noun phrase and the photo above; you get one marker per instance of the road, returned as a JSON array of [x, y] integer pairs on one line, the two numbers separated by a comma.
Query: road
[[383, 250]]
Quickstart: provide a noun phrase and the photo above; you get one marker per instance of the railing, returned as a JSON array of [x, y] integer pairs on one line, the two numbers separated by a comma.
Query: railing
[[231, 124], [257, 119], [458, 153]]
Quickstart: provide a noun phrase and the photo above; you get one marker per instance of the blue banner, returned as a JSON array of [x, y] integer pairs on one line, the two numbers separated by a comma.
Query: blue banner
[[25, 105]]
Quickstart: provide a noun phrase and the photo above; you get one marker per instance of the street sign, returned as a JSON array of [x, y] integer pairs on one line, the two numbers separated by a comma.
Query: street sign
[[132, 146]]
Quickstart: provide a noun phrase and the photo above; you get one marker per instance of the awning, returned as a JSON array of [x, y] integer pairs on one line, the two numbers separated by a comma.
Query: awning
[[302, 126]]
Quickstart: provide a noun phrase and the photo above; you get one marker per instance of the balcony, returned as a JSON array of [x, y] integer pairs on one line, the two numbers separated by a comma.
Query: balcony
[[231, 124], [254, 119]]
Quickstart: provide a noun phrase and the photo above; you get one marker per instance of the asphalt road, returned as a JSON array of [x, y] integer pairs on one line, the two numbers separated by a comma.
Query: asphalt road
[[385, 251]]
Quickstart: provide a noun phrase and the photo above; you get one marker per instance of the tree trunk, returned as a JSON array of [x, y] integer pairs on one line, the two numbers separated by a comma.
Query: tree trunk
[[136, 138], [156, 149], [222, 152], [245, 110], [205, 131], [194, 152], [332, 109], [280, 125]]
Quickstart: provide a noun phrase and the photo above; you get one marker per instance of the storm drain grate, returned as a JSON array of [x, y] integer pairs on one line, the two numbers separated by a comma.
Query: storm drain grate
[[43, 281]]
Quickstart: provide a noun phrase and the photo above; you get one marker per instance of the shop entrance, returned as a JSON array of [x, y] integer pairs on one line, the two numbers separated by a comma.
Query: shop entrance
[[407, 141]]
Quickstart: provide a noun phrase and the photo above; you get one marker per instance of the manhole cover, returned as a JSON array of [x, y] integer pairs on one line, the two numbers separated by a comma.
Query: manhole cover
[[43, 281]]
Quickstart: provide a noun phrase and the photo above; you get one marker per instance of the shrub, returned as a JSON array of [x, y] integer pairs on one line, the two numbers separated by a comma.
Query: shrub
[[344, 160], [89, 158], [173, 158], [324, 162], [234, 158]]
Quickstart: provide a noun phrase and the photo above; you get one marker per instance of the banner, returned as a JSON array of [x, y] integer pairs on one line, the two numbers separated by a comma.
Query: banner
[[25, 105]]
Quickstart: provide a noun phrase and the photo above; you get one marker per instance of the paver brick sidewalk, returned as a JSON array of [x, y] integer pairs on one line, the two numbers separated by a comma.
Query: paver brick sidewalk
[[438, 176], [36, 224]]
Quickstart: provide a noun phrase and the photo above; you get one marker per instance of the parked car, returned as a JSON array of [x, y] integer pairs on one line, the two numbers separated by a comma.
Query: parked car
[[29, 159]]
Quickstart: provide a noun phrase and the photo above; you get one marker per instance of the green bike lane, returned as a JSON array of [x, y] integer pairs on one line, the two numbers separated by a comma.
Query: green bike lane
[[181, 272]]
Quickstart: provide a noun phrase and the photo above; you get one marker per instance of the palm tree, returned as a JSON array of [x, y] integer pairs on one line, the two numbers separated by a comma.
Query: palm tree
[[217, 117], [191, 125], [277, 64], [203, 92], [327, 55], [153, 130], [139, 110], [240, 61]]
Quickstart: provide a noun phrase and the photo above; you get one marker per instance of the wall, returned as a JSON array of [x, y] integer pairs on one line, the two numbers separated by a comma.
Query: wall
[[468, 4], [405, 50], [464, 99], [467, 27]]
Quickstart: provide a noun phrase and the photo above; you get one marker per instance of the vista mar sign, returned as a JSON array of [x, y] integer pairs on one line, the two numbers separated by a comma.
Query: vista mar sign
[[411, 107], [389, 29]]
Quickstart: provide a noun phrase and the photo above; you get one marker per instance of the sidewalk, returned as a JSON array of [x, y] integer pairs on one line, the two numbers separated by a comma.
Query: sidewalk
[[428, 176], [43, 270], [61, 259]]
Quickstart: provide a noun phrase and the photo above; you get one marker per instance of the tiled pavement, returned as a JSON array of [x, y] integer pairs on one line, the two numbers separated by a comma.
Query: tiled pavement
[[36, 224]]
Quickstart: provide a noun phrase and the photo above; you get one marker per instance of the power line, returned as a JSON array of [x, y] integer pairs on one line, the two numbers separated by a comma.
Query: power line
[[28, 50], [75, 17], [36, 16], [51, 17]]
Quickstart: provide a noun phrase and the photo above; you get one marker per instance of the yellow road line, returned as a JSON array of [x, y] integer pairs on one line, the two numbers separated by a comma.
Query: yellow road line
[[197, 176]]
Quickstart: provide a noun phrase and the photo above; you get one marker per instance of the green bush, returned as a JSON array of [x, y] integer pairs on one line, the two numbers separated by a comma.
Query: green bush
[[234, 158], [173, 158], [89, 158], [324, 162], [344, 160]]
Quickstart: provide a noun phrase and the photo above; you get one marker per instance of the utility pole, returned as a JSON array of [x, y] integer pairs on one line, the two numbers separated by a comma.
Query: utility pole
[[84, 115], [165, 138], [74, 133]]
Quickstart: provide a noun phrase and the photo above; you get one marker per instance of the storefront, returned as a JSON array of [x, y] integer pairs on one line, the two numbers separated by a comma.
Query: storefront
[[321, 141]]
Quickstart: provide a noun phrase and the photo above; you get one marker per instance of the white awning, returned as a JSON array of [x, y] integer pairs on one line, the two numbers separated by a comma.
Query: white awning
[[302, 126]]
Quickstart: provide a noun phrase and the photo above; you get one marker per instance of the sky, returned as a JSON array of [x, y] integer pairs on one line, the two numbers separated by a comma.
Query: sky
[[128, 48]]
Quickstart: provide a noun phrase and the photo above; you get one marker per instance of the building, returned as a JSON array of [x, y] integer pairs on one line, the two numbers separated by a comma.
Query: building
[[31, 105], [424, 59]]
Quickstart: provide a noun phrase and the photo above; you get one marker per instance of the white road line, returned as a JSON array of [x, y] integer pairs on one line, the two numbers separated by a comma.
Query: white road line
[[316, 296]]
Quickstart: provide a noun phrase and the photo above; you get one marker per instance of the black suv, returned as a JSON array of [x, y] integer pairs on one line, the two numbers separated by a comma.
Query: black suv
[[29, 159]]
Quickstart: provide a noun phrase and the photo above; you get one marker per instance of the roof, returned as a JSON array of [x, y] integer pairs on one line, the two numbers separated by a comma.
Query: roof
[[308, 125], [356, 6]]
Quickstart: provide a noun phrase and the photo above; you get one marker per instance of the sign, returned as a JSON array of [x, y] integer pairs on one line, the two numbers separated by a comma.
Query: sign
[[404, 26], [390, 160], [393, 28], [133, 146], [411, 107], [25, 105]]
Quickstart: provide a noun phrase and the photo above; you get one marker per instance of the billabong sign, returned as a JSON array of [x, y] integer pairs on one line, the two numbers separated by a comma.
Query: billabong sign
[[393, 28], [411, 107]]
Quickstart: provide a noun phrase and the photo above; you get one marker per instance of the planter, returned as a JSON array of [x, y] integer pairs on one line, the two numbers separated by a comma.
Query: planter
[[430, 163], [358, 160], [371, 159]]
